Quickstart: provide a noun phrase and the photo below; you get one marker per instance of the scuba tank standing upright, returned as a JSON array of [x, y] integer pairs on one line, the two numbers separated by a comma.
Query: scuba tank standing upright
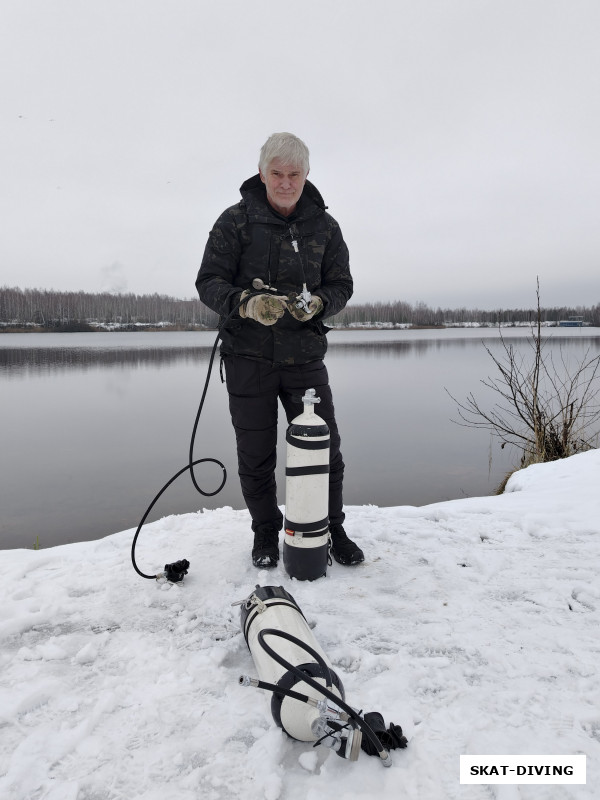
[[306, 542]]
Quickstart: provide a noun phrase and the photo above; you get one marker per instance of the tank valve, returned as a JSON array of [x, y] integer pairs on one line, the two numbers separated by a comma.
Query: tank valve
[[310, 398]]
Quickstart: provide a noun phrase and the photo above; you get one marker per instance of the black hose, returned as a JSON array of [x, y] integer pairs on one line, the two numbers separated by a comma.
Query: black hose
[[364, 726], [285, 664], [152, 504], [272, 687], [191, 463]]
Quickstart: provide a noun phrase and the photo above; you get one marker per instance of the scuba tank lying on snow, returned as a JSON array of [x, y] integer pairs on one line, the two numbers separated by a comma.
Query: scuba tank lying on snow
[[306, 527], [308, 697]]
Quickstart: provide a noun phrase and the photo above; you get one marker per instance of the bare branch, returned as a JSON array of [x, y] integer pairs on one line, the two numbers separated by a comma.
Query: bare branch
[[543, 406]]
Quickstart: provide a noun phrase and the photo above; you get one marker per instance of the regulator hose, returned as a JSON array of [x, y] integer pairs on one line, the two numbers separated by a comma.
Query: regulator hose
[[191, 463], [272, 687], [306, 647], [326, 692]]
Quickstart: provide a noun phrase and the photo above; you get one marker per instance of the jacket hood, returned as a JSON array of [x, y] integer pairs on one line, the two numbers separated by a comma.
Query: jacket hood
[[254, 196]]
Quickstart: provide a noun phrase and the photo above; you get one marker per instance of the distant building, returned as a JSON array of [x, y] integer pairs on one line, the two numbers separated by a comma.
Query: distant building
[[572, 322]]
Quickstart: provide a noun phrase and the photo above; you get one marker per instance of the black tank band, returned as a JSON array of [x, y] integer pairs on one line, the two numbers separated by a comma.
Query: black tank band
[[317, 469], [307, 528], [307, 444]]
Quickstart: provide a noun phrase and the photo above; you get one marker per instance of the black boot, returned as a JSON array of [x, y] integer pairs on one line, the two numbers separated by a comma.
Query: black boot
[[265, 553], [343, 549]]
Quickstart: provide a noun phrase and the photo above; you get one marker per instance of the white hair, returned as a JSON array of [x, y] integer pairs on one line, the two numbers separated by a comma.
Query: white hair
[[289, 148]]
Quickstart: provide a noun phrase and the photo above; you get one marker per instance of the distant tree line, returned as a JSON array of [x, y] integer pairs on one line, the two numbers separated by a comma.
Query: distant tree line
[[420, 314], [52, 309]]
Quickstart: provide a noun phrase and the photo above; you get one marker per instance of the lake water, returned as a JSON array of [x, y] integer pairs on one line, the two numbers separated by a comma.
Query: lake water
[[93, 425]]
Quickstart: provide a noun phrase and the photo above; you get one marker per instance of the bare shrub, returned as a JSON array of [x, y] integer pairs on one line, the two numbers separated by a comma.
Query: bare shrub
[[544, 406]]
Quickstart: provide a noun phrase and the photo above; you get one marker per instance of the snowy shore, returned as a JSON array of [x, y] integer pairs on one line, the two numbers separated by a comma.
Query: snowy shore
[[474, 624]]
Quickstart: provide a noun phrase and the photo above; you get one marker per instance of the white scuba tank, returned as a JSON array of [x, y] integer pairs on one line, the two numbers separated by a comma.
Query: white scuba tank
[[306, 526]]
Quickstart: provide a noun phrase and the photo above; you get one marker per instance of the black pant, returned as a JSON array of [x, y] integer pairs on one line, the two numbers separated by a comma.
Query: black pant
[[254, 389]]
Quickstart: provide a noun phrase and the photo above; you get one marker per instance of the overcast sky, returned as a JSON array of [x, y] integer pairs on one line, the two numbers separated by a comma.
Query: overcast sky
[[457, 142]]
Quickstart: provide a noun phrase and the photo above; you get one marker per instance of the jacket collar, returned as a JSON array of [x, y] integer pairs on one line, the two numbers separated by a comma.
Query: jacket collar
[[254, 197]]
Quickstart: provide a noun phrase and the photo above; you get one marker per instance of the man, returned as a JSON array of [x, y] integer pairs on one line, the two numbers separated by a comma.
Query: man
[[280, 240]]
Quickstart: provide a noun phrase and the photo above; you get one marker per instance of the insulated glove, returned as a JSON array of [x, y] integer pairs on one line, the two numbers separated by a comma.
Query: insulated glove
[[263, 308], [391, 738], [314, 307]]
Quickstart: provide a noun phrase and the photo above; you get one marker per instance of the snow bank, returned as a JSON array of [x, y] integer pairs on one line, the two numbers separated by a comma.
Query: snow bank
[[474, 624]]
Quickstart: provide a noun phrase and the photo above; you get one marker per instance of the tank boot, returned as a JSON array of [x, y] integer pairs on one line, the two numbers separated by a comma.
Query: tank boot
[[343, 549], [265, 552]]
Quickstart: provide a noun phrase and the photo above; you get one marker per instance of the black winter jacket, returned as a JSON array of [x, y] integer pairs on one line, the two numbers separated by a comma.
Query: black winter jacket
[[251, 240]]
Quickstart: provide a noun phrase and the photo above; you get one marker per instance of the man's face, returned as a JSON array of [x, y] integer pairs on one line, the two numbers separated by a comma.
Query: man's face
[[284, 184]]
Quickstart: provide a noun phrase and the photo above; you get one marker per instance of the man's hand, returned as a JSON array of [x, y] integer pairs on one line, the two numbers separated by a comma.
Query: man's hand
[[314, 307], [263, 308]]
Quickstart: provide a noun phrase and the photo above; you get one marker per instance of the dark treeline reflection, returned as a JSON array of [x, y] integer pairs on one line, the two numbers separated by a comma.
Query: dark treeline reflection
[[421, 346], [35, 360], [397, 349], [26, 360], [30, 360]]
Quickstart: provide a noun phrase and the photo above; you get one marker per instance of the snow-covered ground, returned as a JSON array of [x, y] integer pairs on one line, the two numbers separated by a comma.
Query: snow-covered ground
[[474, 624]]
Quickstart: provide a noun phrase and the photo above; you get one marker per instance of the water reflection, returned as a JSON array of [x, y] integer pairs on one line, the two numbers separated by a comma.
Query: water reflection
[[386, 349], [28, 361], [96, 430], [22, 362]]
